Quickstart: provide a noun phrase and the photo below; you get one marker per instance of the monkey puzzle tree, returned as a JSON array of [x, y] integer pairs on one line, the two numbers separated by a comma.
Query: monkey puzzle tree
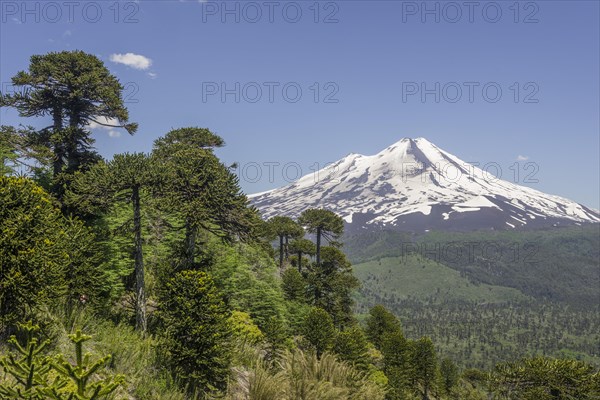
[[197, 331], [424, 363], [75, 89], [120, 180], [330, 285], [380, 322], [301, 247], [201, 189], [322, 223], [318, 330], [284, 228]]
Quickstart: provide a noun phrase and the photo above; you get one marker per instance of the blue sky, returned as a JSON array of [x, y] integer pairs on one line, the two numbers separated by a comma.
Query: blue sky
[[361, 67]]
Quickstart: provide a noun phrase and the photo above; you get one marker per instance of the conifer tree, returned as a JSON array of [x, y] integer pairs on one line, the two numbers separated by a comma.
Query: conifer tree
[[196, 332], [424, 362], [121, 180], [204, 192], [302, 247], [318, 330], [284, 228], [75, 89], [379, 322], [324, 224]]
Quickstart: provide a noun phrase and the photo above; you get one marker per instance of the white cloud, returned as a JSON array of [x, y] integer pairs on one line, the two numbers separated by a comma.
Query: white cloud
[[136, 61], [67, 33], [108, 129], [522, 158], [152, 75]]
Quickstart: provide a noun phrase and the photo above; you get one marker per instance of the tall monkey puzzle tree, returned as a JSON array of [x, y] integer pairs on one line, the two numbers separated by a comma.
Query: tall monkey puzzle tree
[[322, 223], [301, 247], [75, 89], [120, 180], [284, 228], [201, 189]]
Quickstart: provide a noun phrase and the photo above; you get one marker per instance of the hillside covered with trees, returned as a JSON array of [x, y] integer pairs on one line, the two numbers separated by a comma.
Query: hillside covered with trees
[[149, 276]]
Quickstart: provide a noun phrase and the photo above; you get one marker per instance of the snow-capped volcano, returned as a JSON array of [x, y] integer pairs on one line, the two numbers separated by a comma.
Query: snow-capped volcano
[[414, 185]]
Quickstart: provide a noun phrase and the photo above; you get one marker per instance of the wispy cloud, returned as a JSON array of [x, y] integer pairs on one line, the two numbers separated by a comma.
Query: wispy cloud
[[152, 75], [110, 131], [136, 61], [522, 158]]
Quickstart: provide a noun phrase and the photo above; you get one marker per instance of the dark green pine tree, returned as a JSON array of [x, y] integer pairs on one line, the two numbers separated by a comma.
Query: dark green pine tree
[[196, 332], [424, 364], [379, 322], [450, 375], [324, 224], [75, 89], [204, 192], [318, 330], [121, 180], [397, 363], [351, 345], [330, 286], [293, 285]]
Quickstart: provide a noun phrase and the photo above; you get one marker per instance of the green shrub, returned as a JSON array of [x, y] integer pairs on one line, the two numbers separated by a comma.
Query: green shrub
[[196, 332]]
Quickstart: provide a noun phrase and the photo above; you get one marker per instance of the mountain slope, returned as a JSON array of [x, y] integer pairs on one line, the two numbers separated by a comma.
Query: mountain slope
[[413, 185]]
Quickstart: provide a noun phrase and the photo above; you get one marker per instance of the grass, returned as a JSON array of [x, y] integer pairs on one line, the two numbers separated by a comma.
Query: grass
[[417, 278]]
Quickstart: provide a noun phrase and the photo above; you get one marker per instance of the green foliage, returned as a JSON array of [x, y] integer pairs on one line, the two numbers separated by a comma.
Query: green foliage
[[28, 369], [121, 180], [293, 285], [33, 249], [322, 223], [246, 276], [330, 225], [415, 277], [397, 363], [243, 328], [43, 256], [450, 375], [196, 332], [542, 378], [351, 345], [301, 247], [37, 377], [318, 330], [330, 286], [182, 138], [379, 322], [75, 89], [303, 376], [284, 228], [424, 364], [9, 150], [204, 192], [82, 371]]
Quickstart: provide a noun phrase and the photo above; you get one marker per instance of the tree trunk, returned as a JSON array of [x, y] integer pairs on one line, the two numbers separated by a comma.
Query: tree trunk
[[58, 164], [319, 245], [287, 254], [59, 155], [300, 261], [280, 251], [140, 287], [190, 245]]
